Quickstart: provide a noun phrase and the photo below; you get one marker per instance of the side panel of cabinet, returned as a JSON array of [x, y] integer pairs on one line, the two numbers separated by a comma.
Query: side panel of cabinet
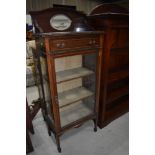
[[52, 81]]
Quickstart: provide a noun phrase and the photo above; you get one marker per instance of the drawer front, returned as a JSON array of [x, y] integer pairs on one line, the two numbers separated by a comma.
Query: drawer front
[[65, 44]]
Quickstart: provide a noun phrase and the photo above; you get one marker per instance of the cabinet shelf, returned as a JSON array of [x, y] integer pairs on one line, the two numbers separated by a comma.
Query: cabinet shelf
[[72, 74], [117, 108], [117, 75], [117, 93], [74, 112], [73, 95]]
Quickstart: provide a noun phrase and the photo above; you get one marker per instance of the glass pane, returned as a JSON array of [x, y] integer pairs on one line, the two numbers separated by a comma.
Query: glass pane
[[43, 82], [76, 79], [46, 87]]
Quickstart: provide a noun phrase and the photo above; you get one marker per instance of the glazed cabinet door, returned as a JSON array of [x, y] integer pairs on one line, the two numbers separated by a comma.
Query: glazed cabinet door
[[75, 78]]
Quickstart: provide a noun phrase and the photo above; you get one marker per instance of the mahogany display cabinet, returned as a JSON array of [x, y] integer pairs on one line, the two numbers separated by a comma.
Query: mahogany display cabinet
[[68, 69], [114, 93]]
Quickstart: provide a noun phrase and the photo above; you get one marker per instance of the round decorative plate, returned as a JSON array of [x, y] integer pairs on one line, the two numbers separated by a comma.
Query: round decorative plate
[[60, 22]]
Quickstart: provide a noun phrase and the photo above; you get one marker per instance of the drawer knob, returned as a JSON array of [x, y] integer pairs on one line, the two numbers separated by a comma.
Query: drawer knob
[[94, 41], [58, 44], [62, 45]]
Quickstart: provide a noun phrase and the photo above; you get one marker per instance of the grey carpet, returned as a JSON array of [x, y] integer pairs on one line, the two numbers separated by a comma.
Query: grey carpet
[[111, 140]]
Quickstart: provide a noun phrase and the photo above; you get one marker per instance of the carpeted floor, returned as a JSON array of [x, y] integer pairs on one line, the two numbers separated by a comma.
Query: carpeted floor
[[111, 140]]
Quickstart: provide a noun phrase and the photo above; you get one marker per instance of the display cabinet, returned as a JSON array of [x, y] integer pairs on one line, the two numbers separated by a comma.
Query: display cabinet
[[114, 93], [69, 65], [68, 60]]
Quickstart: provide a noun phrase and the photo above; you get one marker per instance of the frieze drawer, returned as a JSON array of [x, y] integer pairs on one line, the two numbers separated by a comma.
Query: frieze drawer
[[74, 43]]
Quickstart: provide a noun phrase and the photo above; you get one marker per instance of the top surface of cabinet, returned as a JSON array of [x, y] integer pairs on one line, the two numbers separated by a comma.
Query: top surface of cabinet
[[69, 33]]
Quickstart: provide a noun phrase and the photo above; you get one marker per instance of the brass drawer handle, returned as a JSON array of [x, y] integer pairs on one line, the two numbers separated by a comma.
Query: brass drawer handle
[[90, 42], [60, 45]]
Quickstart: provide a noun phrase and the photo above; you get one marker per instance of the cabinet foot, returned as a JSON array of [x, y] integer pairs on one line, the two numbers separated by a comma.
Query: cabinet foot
[[58, 143], [44, 118], [95, 125], [95, 129], [49, 133], [59, 149], [31, 129]]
